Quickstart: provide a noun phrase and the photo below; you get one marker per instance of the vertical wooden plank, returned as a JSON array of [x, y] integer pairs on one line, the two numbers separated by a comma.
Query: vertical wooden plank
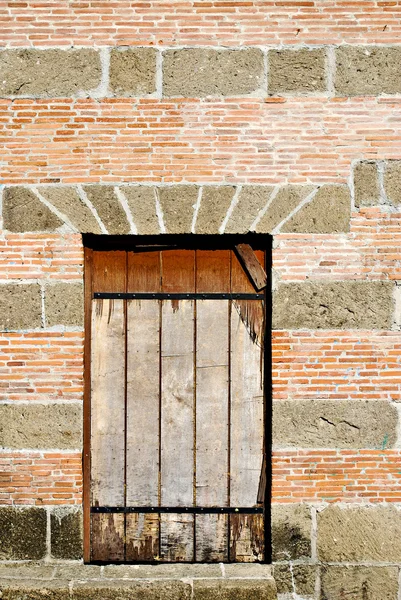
[[107, 423], [109, 271], [108, 537], [178, 271], [87, 405], [240, 282], [177, 427], [144, 274], [213, 271], [142, 537], [246, 538]]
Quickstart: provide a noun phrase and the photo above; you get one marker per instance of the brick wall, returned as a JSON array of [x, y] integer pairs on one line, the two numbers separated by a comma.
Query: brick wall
[[279, 117]]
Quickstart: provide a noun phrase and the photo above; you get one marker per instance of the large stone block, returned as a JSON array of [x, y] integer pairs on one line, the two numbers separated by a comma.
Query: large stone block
[[328, 212], [290, 531], [286, 200], [141, 200], [334, 305], [41, 426], [20, 306], [366, 184], [297, 71], [64, 304], [23, 211], [34, 590], [392, 182], [334, 423], [199, 72], [66, 533], [359, 583], [298, 581], [108, 208], [367, 70], [252, 199], [140, 590], [22, 533], [214, 205], [178, 204], [356, 534], [48, 73], [133, 71], [66, 199], [234, 589]]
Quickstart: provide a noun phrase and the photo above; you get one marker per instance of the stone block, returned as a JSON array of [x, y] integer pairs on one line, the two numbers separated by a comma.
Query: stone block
[[334, 423], [359, 533], [298, 581], [286, 200], [251, 200], [199, 72], [133, 71], [359, 583], [328, 212], [178, 204], [367, 70], [23, 211], [34, 590], [108, 208], [66, 199], [290, 531], [334, 305], [140, 590], [22, 533], [297, 71], [26, 570], [161, 571], [141, 200], [214, 205], [64, 304], [20, 306], [41, 426], [49, 73], [366, 184], [235, 589], [392, 182], [66, 533]]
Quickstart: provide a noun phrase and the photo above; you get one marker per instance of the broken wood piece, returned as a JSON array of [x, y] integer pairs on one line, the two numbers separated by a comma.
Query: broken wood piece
[[252, 266]]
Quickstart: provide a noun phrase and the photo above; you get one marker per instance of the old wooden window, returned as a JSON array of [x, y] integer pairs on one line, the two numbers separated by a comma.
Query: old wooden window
[[175, 407]]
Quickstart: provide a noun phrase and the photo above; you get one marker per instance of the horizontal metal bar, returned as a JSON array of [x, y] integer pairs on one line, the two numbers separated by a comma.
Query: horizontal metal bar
[[165, 296], [179, 509]]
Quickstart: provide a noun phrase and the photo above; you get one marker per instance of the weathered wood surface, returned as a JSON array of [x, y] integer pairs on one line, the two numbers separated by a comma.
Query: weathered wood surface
[[252, 266], [211, 538], [107, 537], [177, 537], [142, 537], [246, 538]]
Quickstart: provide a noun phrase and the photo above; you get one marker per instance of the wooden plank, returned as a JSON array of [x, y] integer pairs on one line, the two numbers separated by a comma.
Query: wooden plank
[[142, 537], [178, 271], [212, 271], [211, 538], [246, 538], [240, 282], [143, 272], [87, 406], [177, 426], [107, 537], [109, 271], [252, 266]]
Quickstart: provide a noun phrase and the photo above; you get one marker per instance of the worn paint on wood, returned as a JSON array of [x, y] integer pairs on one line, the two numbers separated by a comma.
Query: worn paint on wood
[[142, 537], [252, 266], [211, 538], [246, 538], [107, 537], [177, 537]]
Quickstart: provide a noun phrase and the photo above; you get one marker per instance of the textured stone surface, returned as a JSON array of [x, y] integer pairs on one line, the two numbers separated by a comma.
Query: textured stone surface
[[334, 305], [251, 200], [20, 306], [359, 583], [301, 580], [68, 202], [48, 73], [41, 426], [365, 533], [392, 181], [240, 589], [198, 72], [328, 212], [133, 71], [291, 531], [22, 533], [288, 198], [214, 205], [64, 304], [161, 571], [334, 423], [141, 200], [177, 203], [34, 590], [302, 71], [66, 533], [140, 590], [366, 184], [23, 211], [367, 70], [108, 208]]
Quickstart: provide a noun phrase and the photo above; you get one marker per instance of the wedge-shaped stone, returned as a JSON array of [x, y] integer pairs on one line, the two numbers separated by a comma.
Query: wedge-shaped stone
[[49, 73], [359, 583], [133, 71], [66, 533], [334, 305], [356, 534], [214, 205], [290, 531], [334, 423], [108, 208], [141, 200], [20, 306], [41, 426], [64, 304], [67, 201], [300, 579], [328, 212], [286, 200], [366, 184], [199, 72], [392, 182], [23, 211], [22, 533], [178, 204], [252, 199], [367, 70], [297, 71]]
